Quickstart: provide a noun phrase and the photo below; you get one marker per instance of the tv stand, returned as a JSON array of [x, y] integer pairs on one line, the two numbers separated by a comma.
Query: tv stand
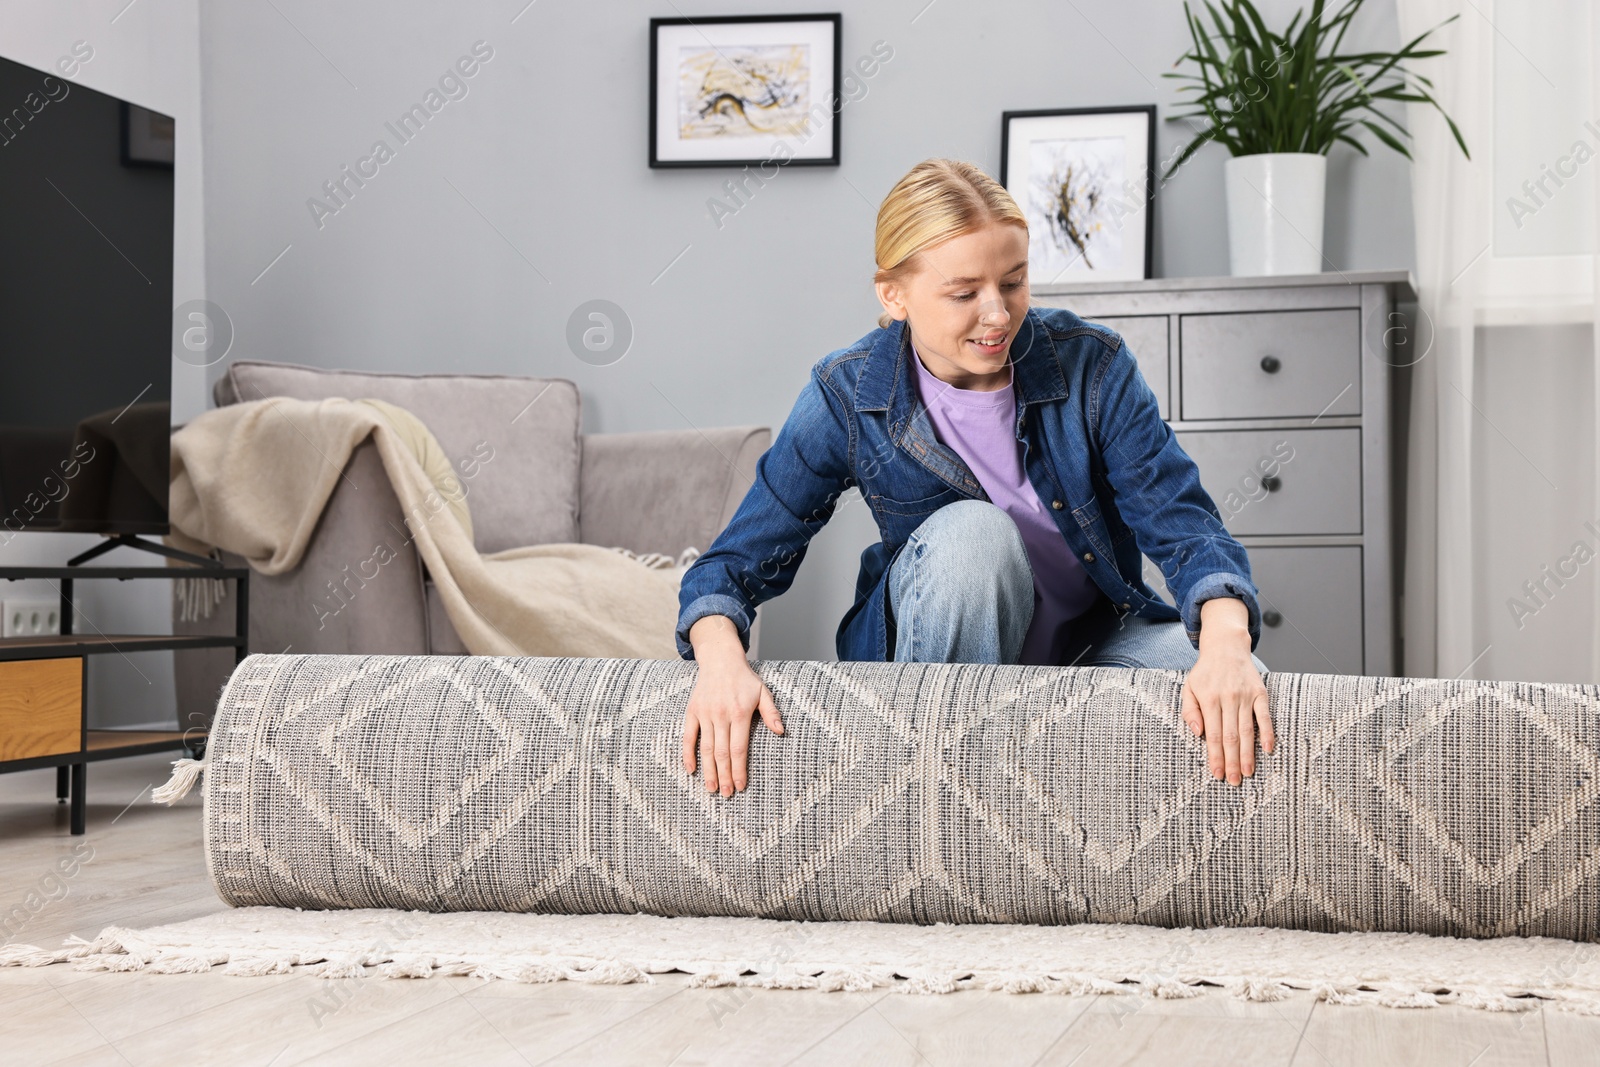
[[44, 680], [135, 541]]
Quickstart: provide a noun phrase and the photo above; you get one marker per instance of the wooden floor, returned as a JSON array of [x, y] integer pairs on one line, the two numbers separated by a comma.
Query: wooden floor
[[147, 868]]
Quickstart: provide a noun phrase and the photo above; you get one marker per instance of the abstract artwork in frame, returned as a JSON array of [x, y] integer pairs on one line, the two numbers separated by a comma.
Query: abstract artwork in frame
[[745, 90], [1084, 178]]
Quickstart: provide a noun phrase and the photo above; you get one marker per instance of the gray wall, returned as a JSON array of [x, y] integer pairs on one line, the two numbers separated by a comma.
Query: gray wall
[[469, 250]]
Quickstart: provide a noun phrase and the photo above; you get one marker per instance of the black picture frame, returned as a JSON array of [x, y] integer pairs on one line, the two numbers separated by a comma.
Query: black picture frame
[[1146, 199], [835, 102]]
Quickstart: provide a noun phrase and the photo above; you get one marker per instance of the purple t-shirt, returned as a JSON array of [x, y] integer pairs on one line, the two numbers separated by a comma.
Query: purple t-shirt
[[980, 427]]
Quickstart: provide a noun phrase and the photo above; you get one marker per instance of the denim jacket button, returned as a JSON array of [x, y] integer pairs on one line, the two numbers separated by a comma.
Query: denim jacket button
[[1058, 505], [1088, 557], [1127, 607]]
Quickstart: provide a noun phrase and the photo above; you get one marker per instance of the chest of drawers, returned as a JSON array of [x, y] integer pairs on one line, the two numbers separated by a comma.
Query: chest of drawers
[[1279, 389]]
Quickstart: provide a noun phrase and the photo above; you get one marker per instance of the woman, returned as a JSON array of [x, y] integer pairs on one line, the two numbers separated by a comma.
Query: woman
[[1017, 466]]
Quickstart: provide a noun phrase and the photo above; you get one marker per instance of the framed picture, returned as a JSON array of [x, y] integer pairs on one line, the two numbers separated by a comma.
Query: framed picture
[[147, 137], [1085, 179], [737, 91]]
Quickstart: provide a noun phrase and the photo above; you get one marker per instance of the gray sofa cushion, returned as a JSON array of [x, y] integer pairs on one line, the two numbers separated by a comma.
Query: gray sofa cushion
[[525, 493]]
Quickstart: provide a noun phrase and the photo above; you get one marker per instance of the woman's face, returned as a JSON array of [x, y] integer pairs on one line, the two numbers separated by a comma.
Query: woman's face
[[966, 291]]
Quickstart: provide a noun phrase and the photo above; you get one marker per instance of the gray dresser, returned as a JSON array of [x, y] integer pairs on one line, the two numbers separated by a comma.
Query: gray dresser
[[1279, 389]]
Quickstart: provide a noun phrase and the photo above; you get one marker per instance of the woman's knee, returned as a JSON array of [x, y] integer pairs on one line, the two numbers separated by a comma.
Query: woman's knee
[[973, 542], [970, 524], [961, 587]]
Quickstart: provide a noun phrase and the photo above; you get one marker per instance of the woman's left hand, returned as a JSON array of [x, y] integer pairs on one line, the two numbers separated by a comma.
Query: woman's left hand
[[1224, 698]]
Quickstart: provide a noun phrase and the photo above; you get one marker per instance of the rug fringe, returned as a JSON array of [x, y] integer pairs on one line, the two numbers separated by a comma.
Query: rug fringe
[[117, 950], [185, 772], [1258, 989], [257, 966]]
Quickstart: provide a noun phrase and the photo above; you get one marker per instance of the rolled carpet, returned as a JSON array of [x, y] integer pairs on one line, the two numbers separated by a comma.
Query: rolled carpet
[[904, 792]]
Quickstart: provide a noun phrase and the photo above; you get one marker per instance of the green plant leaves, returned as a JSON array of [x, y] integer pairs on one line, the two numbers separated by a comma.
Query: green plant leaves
[[1259, 91]]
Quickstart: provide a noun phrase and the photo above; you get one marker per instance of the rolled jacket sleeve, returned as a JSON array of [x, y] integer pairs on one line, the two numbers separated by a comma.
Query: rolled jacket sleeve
[[1215, 585], [712, 604], [797, 486]]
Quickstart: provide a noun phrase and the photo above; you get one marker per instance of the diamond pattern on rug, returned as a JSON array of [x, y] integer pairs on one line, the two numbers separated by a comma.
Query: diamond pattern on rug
[[902, 792]]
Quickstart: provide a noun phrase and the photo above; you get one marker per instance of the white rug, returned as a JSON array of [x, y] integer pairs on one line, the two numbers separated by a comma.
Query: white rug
[[1400, 970]]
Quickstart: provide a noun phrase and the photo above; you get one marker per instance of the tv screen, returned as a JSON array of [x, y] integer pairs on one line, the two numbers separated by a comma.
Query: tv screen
[[85, 308]]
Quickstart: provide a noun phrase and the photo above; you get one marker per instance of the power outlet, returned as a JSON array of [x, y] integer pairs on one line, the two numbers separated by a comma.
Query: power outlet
[[31, 618]]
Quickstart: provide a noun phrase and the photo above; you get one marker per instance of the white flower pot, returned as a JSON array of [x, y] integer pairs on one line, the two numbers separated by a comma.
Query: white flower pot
[[1275, 212]]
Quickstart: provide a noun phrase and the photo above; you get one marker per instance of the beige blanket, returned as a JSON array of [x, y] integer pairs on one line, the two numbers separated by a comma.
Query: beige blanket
[[253, 479]]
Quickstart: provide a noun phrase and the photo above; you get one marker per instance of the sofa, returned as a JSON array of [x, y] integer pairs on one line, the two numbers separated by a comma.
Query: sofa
[[531, 477]]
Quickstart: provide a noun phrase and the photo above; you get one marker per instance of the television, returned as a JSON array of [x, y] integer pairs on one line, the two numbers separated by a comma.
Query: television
[[85, 308]]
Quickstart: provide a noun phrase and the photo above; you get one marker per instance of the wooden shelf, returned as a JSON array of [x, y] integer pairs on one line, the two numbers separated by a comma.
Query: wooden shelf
[[109, 744], [104, 739], [65, 728]]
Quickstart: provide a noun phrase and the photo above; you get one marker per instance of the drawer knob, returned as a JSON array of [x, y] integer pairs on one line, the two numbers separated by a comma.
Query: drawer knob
[[1272, 618], [1271, 364], [1272, 483]]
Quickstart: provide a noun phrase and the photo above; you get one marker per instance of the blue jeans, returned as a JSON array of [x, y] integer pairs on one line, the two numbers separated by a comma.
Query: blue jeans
[[961, 591]]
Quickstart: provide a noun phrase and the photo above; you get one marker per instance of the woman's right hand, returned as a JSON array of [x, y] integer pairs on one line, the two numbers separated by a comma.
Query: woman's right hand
[[727, 694]]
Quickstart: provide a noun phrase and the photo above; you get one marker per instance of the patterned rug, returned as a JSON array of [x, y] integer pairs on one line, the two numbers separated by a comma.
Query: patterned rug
[[1129, 962], [905, 793]]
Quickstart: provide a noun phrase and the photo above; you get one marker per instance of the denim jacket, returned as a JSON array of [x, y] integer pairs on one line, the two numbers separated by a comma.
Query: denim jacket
[[1094, 447]]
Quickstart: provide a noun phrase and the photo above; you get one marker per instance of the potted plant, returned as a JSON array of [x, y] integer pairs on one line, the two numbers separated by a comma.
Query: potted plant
[[1279, 102]]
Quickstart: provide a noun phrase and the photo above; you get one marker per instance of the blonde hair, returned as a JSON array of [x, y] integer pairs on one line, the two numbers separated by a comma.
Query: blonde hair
[[937, 199]]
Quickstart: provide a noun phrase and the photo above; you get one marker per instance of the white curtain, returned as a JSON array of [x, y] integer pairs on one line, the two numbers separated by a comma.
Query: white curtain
[[1501, 471]]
